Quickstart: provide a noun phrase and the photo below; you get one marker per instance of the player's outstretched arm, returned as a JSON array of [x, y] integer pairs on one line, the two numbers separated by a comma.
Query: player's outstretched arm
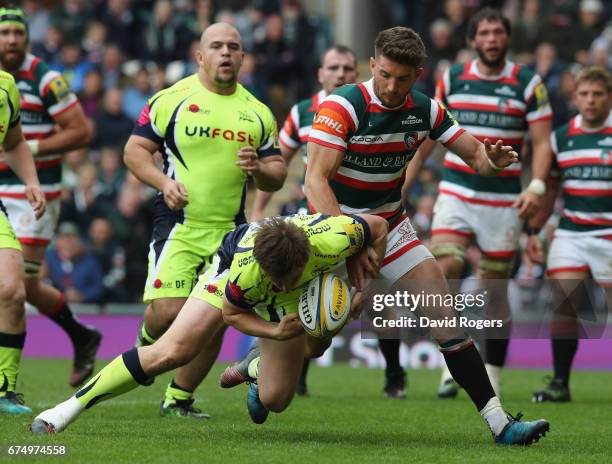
[[250, 323], [323, 163], [487, 159], [19, 157]]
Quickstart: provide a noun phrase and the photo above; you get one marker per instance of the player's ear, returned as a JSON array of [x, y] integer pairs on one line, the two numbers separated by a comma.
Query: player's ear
[[198, 57], [372, 65], [419, 71]]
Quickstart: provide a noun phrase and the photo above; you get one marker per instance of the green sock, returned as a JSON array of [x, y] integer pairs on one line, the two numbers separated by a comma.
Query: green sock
[[253, 367], [124, 373], [11, 346], [144, 339], [175, 392]]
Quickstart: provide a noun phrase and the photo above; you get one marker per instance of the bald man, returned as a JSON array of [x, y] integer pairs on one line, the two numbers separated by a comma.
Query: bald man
[[212, 134]]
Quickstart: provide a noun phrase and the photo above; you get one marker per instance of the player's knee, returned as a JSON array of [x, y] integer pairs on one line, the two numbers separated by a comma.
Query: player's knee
[[276, 400], [316, 347], [12, 293], [165, 314], [175, 354]]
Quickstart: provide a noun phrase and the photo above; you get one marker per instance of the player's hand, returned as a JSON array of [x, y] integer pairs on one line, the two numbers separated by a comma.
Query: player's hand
[[175, 194], [362, 266], [356, 308], [36, 198], [289, 326], [500, 155], [248, 161], [535, 249], [528, 204]]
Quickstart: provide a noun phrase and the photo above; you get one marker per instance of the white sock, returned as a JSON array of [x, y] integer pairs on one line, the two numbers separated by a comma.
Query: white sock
[[494, 415], [62, 414], [495, 377]]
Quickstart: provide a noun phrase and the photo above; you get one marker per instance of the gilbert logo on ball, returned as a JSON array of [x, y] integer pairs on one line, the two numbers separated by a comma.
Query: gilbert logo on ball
[[324, 305]]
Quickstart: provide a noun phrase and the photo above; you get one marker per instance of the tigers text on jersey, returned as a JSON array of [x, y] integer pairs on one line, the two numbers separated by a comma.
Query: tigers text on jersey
[[377, 142], [199, 133], [44, 94], [583, 159], [493, 107]]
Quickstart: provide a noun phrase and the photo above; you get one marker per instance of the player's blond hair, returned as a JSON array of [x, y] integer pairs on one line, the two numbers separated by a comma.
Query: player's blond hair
[[595, 74]]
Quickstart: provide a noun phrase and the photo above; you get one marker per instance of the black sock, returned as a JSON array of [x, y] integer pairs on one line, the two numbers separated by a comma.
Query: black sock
[[468, 370], [78, 333], [304, 373], [563, 350], [390, 350], [496, 350]]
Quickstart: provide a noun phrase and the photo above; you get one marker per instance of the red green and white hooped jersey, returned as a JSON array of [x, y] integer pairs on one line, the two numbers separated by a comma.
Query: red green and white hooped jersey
[[493, 107], [583, 160], [44, 95], [295, 130], [378, 143]]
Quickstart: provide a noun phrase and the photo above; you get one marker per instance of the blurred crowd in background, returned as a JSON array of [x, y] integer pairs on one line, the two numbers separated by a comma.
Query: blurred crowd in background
[[118, 53]]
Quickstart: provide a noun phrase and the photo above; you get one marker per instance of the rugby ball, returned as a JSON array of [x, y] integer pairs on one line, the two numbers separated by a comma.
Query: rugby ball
[[324, 305]]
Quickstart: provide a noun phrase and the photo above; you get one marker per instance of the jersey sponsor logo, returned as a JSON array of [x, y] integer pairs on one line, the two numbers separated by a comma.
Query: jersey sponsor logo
[[324, 256], [606, 157], [23, 85], [607, 142], [407, 235], [505, 90], [216, 132], [366, 139], [60, 88], [411, 139], [317, 230], [157, 283], [244, 116], [246, 261], [589, 172], [329, 122], [193, 108], [373, 161], [411, 119], [541, 95]]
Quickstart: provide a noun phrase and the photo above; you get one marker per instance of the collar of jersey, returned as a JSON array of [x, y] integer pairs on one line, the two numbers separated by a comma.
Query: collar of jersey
[[506, 72], [369, 85], [578, 124]]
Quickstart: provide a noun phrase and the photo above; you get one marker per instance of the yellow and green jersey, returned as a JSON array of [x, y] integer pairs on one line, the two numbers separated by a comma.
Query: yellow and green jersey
[[199, 133], [332, 240], [9, 104]]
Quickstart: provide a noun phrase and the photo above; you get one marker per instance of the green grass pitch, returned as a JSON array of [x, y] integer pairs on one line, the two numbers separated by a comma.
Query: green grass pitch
[[345, 420]]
